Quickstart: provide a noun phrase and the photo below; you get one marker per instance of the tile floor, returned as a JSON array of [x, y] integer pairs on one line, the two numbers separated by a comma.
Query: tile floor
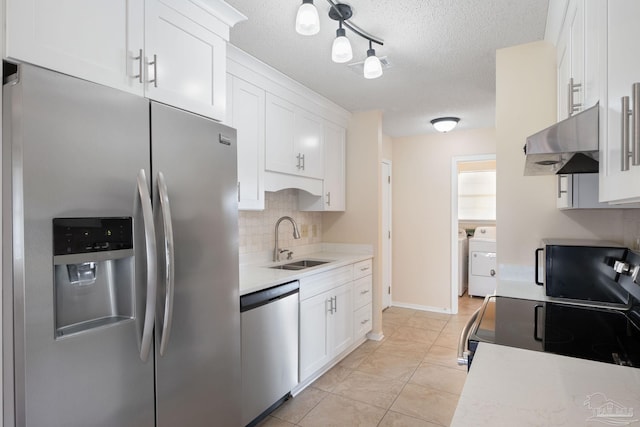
[[410, 378]]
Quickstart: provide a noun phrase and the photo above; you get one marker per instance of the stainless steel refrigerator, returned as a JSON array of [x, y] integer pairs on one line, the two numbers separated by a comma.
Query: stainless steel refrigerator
[[120, 261]]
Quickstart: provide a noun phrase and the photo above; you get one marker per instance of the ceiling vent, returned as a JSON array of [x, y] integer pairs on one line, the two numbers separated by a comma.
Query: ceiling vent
[[358, 67]]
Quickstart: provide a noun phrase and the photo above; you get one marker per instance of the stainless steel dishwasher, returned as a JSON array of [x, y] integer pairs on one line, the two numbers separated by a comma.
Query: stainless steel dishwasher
[[269, 321]]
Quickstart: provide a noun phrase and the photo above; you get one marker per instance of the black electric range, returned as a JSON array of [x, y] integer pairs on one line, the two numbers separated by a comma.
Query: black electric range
[[596, 333], [590, 330]]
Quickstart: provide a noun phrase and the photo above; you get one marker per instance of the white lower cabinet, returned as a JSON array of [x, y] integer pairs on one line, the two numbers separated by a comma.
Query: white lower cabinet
[[335, 315], [325, 328]]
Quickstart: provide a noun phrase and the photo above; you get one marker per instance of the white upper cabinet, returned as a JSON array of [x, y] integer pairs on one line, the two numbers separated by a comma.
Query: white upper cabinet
[[95, 40], [172, 51], [619, 180], [294, 139], [246, 114], [334, 182]]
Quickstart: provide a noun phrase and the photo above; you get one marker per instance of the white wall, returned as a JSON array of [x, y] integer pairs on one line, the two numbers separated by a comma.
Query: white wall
[[526, 206], [422, 213]]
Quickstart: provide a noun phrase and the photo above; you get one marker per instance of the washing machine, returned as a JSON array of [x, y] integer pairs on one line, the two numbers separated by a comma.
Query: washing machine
[[482, 262], [463, 261]]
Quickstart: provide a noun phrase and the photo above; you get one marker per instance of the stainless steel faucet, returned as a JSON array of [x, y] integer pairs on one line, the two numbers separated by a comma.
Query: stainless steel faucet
[[296, 235]]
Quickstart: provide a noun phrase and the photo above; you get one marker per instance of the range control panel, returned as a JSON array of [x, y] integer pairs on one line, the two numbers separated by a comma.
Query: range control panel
[[82, 235]]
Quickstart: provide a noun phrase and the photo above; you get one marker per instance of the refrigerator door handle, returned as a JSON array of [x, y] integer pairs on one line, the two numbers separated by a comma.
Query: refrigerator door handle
[[169, 272], [151, 258]]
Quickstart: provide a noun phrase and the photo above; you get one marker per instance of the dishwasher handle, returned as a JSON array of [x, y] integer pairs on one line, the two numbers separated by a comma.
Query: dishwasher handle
[[266, 296]]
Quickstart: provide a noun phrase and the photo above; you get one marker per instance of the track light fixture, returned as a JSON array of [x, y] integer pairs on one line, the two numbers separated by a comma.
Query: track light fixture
[[445, 124], [308, 23]]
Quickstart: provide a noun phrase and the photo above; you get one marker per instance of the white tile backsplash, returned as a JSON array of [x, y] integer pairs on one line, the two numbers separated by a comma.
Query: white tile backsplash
[[256, 228]]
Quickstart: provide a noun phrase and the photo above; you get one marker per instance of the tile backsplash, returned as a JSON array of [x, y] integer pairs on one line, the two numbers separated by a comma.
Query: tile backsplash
[[257, 227]]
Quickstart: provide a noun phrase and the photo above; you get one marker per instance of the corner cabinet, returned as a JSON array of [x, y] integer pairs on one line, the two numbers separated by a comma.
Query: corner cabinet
[[294, 139], [619, 181], [245, 112], [334, 182], [172, 51]]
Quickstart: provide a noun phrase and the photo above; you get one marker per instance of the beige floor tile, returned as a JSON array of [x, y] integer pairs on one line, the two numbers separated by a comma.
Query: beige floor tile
[[431, 315], [274, 422], [372, 389], [371, 344], [407, 333], [398, 311], [427, 323], [293, 410], [396, 419], [356, 357], [454, 328], [389, 365], [426, 403], [332, 378], [405, 348], [444, 356], [448, 340], [395, 317], [442, 378], [336, 411]]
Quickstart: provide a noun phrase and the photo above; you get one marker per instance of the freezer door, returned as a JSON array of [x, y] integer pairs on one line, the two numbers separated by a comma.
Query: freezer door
[[198, 374], [71, 149]]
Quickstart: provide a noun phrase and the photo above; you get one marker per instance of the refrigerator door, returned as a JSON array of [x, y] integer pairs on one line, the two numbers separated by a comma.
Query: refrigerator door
[[72, 149], [198, 374]]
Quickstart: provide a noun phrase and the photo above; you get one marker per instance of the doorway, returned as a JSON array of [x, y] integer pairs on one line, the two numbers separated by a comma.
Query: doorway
[[474, 163], [386, 234]]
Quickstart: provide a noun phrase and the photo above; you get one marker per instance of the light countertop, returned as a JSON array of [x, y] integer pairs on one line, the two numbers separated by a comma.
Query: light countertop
[[514, 387], [257, 276]]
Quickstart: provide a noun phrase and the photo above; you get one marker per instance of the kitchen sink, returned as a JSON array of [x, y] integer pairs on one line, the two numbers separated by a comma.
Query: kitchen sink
[[300, 265]]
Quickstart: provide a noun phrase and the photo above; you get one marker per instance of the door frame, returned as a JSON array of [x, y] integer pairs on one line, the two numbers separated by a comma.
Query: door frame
[[454, 220], [387, 261]]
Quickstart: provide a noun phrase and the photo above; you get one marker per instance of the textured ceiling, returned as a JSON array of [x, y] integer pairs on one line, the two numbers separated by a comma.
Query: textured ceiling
[[442, 54]]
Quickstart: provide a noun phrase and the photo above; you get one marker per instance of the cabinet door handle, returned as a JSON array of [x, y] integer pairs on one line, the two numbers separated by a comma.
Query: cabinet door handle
[[573, 88], [364, 268], [635, 120], [299, 165], [330, 301], [155, 71], [624, 124], [303, 162], [238, 191], [364, 292], [364, 322], [140, 60], [329, 198], [335, 304]]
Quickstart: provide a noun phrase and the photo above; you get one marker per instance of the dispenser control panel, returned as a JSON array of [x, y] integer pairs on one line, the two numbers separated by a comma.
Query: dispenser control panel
[[82, 235]]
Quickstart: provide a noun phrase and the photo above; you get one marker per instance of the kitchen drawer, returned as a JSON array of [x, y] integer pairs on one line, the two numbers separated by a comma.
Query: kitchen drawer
[[362, 268], [322, 282], [362, 321], [362, 291]]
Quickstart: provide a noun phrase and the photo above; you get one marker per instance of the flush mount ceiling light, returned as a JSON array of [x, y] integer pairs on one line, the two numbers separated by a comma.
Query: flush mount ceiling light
[[307, 23], [445, 124]]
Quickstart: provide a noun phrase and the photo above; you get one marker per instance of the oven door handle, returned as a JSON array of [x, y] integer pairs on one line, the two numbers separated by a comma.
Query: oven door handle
[[463, 351], [535, 322], [538, 282]]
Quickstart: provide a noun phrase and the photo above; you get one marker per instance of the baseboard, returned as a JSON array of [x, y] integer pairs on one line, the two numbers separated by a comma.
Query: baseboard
[[421, 307], [376, 336]]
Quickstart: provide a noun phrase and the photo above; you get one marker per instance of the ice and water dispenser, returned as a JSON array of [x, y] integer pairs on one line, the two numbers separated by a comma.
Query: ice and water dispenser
[[94, 273]]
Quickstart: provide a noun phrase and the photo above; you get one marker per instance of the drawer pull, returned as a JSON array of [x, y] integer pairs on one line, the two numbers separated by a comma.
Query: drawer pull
[[364, 268], [364, 292], [365, 321]]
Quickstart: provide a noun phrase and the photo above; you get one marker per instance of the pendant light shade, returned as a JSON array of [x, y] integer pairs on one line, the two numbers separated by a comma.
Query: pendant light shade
[[307, 19], [372, 65], [445, 124], [341, 50]]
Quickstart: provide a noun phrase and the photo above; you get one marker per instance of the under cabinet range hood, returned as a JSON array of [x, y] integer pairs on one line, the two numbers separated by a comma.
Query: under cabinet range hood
[[570, 146]]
